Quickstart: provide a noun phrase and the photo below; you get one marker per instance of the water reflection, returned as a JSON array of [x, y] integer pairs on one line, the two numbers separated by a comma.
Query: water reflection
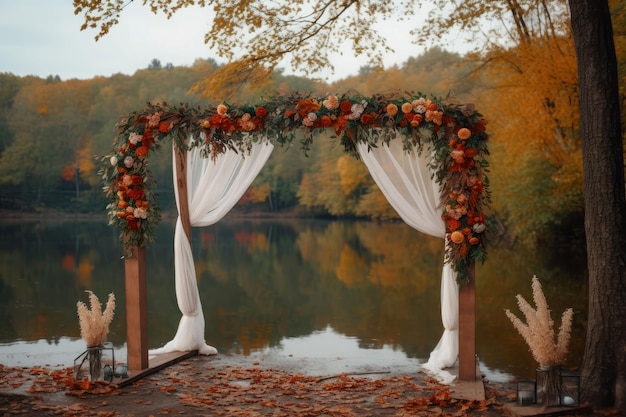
[[271, 285]]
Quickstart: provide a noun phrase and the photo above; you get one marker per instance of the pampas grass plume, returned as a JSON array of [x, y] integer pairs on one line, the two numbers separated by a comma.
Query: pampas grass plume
[[94, 323], [547, 348]]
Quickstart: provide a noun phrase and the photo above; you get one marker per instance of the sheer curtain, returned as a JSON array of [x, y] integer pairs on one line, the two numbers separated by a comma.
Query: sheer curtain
[[407, 183], [214, 187]]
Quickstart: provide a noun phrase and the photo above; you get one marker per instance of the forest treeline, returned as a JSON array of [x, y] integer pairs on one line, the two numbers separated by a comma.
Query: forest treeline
[[52, 132]]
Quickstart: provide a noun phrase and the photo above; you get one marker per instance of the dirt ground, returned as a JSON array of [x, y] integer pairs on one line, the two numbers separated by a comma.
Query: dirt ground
[[223, 386]]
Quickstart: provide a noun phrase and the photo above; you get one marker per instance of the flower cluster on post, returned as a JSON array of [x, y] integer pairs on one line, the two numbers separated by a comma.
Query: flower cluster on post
[[456, 132]]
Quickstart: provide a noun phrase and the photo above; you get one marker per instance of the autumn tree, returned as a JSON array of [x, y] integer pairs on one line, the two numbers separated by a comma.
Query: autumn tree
[[604, 363], [306, 34]]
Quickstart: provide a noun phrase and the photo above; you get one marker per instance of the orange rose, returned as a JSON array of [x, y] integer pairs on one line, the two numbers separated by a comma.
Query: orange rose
[[416, 120], [122, 204], [407, 108], [464, 133], [392, 109], [474, 240], [222, 109], [457, 237]]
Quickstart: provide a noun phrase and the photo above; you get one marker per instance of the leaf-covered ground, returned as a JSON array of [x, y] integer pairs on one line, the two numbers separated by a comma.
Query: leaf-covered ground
[[200, 387]]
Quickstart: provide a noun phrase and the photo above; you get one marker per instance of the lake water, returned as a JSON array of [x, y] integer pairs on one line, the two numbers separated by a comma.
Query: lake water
[[307, 288]]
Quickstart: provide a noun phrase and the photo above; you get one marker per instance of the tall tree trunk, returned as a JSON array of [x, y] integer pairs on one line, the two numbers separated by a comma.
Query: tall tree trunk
[[604, 363]]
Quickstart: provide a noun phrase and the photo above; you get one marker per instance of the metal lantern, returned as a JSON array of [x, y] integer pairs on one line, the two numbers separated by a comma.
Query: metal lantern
[[526, 392], [570, 388]]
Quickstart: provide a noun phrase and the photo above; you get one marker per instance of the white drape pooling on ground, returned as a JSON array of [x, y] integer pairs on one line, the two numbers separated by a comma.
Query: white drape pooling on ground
[[213, 188], [409, 186]]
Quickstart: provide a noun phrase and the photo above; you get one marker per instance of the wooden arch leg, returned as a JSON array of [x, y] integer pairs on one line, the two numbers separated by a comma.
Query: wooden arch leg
[[136, 309], [467, 328]]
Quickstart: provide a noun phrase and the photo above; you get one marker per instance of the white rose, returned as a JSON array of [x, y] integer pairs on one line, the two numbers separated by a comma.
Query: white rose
[[134, 138], [114, 161], [420, 108], [357, 110], [140, 213], [479, 227], [129, 161]]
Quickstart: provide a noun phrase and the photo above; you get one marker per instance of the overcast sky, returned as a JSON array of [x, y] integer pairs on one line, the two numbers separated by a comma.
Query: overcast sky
[[43, 37]]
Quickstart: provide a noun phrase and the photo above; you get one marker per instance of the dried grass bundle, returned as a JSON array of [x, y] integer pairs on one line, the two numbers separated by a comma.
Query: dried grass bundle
[[538, 332], [94, 324]]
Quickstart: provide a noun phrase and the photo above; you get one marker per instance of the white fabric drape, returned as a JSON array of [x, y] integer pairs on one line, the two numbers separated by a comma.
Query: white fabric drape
[[213, 188], [407, 183]]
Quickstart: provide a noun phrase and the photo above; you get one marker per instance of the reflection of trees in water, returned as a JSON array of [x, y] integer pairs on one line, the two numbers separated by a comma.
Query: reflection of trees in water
[[262, 281], [47, 275], [359, 278]]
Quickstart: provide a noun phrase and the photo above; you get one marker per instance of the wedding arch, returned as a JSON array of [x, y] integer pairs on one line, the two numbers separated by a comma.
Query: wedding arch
[[427, 155]]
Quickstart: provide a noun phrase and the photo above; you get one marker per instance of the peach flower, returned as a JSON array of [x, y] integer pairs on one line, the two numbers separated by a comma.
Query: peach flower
[[457, 237], [464, 133], [392, 109], [222, 109]]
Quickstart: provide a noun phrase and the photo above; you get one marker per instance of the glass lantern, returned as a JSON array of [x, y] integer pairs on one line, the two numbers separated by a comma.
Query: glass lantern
[[95, 359], [570, 388], [548, 379], [526, 393]]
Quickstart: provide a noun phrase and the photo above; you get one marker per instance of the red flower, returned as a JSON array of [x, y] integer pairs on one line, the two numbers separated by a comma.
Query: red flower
[[142, 151], [135, 194], [258, 123], [147, 137], [131, 222], [137, 180], [341, 124], [325, 121], [345, 106], [367, 119], [452, 225], [470, 152], [307, 106], [215, 120], [261, 112], [479, 127], [164, 127]]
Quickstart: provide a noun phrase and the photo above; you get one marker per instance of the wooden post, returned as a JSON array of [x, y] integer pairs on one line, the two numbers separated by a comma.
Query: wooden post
[[136, 309], [467, 328], [181, 184]]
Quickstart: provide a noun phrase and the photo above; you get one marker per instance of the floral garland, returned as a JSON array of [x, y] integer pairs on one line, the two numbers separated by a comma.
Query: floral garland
[[456, 132]]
